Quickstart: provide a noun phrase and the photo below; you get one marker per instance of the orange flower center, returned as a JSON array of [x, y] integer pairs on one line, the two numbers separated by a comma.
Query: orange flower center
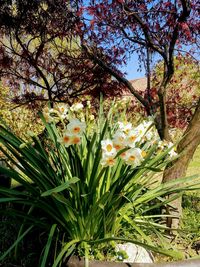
[[66, 139], [132, 138], [76, 140], [76, 129], [110, 161], [117, 147], [123, 154]]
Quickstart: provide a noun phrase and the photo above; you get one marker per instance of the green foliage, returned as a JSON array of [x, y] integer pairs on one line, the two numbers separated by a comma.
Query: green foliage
[[77, 202], [20, 119], [191, 215]]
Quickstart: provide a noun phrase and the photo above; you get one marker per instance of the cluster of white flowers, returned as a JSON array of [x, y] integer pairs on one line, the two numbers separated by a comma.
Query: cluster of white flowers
[[126, 137], [73, 133], [76, 107], [64, 111], [60, 111], [162, 145]]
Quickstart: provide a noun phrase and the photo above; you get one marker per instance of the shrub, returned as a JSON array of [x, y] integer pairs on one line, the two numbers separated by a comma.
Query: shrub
[[85, 182]]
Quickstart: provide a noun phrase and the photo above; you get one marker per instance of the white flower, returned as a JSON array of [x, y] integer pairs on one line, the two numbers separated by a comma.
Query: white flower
[[132, 138], [47, 114], [53, 114], [133, 157], [108, 148], [150, 135], [161, 145], [108, 160], [172, 153], [125, 127], [144, 129], [76, 127], [75, 140], [62, 110], [76, 107], [119, 140], [141, 129], [66, 139], [123, 155]]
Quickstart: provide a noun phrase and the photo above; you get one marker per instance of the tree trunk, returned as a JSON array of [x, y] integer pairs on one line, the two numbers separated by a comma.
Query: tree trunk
[[178, 168]]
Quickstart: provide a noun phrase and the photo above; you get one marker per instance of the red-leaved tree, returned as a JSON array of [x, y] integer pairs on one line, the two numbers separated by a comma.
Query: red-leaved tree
[[40, 54]]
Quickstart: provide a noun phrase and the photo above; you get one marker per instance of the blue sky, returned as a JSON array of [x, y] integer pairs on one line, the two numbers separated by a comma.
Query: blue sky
[[131, 68]]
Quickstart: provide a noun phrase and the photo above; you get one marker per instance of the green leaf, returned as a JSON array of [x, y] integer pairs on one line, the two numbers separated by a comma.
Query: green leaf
[[8, 199], [60, 187], [48, 245], [68, 248]]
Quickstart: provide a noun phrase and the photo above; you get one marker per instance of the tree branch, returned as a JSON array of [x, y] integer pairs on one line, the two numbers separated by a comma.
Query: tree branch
[[124, 81]]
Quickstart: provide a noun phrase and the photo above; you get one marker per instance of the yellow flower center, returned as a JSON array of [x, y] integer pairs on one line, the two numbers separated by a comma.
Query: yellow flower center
[[127, 131], [109, 147], [144, 154], [132, 158]]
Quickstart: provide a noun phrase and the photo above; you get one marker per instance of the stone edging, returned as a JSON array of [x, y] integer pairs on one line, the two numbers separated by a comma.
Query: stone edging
[[76, 262]]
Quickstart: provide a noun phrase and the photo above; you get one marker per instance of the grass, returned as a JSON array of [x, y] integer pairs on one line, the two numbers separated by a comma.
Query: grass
[[194, 167], [191, 213]]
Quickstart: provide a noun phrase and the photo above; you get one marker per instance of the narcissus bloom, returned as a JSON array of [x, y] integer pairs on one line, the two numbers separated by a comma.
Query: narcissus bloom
[[144, 128], [108, 148], [75, 140], [123, 155], [47, 115], [108, 161], [132, 138], [119, 140], [133, 157], [76, 127], [125, 127], [62, 110], [66, 139], [76, 107], [172, 153]]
